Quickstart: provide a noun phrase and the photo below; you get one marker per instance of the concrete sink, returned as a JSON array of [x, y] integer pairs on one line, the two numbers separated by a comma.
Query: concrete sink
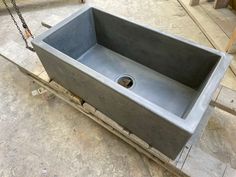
[[155, 85]]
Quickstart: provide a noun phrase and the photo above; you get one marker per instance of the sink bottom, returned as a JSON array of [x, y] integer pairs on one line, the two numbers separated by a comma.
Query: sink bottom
[[151, 85]]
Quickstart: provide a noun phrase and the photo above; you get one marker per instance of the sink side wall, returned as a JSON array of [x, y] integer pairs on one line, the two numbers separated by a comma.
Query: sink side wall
[[156, 131], [180, 61], [76, 37]]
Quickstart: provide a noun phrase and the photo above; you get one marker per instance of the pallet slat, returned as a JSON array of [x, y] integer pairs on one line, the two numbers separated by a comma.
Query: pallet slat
[[226, 100], [22, 57], [202, 164]]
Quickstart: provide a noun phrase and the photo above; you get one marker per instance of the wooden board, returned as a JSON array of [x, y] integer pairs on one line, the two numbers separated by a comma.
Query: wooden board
[[217, 38], [232, 3], [51, 21], [32, 64], [212, 30], [225, 100], [221, 4], [194, 2], [224, 18], [232, 40]]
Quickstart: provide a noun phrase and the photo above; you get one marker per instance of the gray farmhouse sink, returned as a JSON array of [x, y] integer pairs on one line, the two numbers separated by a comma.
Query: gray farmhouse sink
[[155, 85]]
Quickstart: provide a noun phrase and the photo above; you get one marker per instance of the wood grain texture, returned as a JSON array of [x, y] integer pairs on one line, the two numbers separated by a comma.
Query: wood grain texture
[[212, 30], [224, 18], [221, 4], [232, 3], [51, 21], [231, 41], [22, 57], [202, 164], [194, 2], [226, 100]]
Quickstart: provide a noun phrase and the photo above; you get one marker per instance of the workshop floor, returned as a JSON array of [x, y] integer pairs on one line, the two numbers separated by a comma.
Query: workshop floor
[[47, 137]]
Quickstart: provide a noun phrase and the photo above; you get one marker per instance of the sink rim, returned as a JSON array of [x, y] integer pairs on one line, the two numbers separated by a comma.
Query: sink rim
[[193, 117]]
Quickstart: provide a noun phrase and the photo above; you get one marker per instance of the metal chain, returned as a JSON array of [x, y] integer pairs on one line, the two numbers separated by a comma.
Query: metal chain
[[24, 25], [17, 26]]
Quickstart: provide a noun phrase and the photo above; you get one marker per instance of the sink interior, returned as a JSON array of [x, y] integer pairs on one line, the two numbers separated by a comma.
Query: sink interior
[[149, 84], [163, 70]]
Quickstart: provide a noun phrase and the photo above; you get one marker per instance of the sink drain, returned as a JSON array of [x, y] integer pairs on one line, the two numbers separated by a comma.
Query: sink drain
[[125, 81]]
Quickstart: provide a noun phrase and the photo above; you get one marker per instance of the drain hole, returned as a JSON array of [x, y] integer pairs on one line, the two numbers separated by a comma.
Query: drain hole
[[125, 81]]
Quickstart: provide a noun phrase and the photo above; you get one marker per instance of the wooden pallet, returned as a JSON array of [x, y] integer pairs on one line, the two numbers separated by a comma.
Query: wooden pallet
[[232, 40], [192, 161]]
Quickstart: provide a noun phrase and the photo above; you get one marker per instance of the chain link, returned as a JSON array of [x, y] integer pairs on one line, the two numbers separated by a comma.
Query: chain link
[[24, 25], [22, 21]]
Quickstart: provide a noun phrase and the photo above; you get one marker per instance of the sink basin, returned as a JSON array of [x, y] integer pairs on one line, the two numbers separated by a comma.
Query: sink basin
[[153, 84]]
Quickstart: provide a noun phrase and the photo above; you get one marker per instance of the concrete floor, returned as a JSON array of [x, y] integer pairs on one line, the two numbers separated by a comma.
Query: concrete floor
[[41, 137]]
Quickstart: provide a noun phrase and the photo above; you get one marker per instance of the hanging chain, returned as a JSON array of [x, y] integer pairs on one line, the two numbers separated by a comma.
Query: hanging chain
[[24, 25], [28, 32]]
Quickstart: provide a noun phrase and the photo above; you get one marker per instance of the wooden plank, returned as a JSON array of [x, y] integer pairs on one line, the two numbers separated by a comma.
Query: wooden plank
[[200, 163], [216, 94], [226, 100], [51, 20], [232, 3], [194, 2], [183, 156], [212, 31], [66, 93], [22, 57], [224, 18], [231, 41], [221, 4], [44, 76], [233, 65]]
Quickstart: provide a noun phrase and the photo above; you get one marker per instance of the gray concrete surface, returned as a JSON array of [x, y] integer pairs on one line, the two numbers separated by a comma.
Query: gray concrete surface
[[41, 137]]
